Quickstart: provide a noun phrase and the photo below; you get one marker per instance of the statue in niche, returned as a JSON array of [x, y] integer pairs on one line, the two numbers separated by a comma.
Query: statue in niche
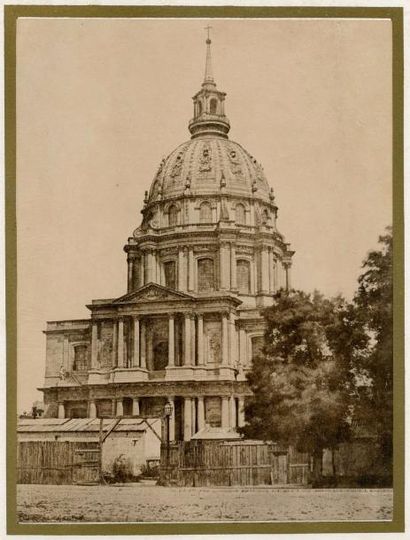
[[205, 162], [236, 168], [214, 350]]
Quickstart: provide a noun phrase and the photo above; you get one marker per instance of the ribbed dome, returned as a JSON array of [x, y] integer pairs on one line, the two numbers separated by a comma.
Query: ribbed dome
[[202, 165]]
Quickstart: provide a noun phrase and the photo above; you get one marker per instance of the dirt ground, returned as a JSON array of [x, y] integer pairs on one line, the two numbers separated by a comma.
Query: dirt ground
[[138, 502]]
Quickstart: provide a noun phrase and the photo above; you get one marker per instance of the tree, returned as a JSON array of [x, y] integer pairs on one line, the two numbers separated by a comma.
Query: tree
[[303, 382], [374, 304]]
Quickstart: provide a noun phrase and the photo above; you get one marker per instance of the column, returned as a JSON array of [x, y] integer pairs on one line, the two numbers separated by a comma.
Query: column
[[149, 256], [171, 341], [234, 285], [191, 269], [181, 270], [187, 340], [158, 267], [232, 412], [225, 412], [271, 280], [135, 406], [276, 275], [264, 262], [136, 351], [287, 276], [61, 410], [193, 416], [224, 266], [92, 411], [201, 413], [162, 275], [120, 344], [113, 406], [94, 345], [171, 399], [143, 345], [149, 348], [225, 351], [233, 342], [193, 341], [120, 411], [200, 330], [242, 347], [130, 262], [241, 412], [142, 269], [187, 418], [114, 343]]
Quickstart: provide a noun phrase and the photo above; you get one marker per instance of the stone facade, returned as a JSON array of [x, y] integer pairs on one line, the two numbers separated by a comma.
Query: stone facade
[[204, 261]]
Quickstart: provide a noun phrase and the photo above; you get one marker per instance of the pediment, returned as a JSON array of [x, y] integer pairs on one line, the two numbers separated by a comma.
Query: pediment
[[152, 292]]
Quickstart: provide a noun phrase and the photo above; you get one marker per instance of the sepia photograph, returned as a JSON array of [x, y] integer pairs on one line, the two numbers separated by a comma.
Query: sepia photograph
[[205, 210]]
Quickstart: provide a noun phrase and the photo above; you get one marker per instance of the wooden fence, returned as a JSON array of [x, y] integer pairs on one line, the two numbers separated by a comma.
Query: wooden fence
[[55, 462], [228, 463]]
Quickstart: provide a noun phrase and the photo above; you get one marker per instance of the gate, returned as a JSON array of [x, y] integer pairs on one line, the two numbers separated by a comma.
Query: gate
[[87, 466]]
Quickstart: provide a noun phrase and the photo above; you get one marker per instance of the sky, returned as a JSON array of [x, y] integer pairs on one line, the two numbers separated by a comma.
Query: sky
[[101, 102]]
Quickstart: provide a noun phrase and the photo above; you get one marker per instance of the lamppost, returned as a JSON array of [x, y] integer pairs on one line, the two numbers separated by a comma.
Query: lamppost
[[167, 414]]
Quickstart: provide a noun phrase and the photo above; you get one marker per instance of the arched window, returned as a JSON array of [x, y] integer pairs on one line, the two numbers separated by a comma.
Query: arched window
[[172, 215], [240, 214], [243, 273], [205, 213], [206, 275], [213, 105], [170, 274], [199, 104]]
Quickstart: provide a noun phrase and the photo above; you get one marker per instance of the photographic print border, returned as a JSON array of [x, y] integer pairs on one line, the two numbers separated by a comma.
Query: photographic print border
[[11, 15]]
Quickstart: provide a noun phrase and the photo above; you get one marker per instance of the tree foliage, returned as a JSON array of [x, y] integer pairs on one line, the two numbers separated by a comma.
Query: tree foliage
[[374, 304], [326, 362], [303, 382]]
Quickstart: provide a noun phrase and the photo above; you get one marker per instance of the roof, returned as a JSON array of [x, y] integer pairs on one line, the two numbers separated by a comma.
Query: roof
[[200, 165], [216, 433], [64, 425]]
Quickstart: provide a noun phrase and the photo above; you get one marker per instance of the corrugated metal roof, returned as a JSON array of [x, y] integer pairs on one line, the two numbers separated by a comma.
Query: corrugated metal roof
[[216, 433], [42, 425]]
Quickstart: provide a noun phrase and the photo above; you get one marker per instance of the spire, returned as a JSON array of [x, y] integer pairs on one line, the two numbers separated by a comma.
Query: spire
[[209, 104], [209, 78]]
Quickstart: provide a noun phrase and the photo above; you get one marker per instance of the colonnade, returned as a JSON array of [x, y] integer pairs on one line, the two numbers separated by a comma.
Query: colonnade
[[268, 272], [232, 413], [193, 341]]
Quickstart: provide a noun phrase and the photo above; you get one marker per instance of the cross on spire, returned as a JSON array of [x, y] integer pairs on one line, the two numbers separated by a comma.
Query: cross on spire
[[208, 28], [208, 79]]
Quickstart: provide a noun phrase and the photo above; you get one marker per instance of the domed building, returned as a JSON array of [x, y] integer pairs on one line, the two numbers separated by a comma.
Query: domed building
[[205, 260]]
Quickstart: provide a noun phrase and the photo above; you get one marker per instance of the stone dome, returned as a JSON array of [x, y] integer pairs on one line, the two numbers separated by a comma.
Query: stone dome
[[205, 165]]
